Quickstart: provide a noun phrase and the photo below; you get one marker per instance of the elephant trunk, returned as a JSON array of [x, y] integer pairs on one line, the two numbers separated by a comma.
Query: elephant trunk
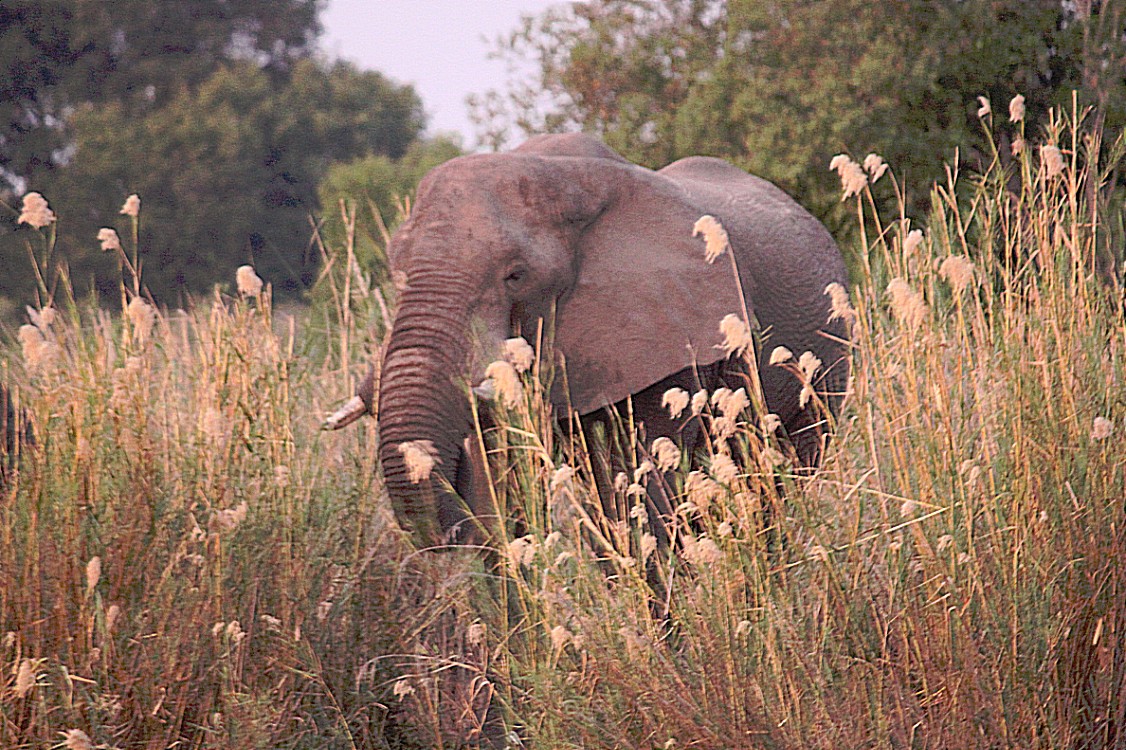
[[421, 401]]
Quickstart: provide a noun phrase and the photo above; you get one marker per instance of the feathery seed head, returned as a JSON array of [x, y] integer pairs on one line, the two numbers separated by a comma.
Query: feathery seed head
[[248, 282], [724, 469], [840, 306], [837, 163], [521, 551], [736, 335], [38, 352], [506, 382], [562, 480], [109, 239], [732, 403], [1052, 160], [642, 471], [780, 355], [875, 166], [701, 552], [112, 615], [906, 303], [958, 272], [912, 241], [985, 109], [402, 688], [76, 739], [718, 396], [853, 178], [420, 457], [676, 401], [475, 634], [701, 490], [723, 428], [1102, 428], [132, 206], [234, 631], [35, 211], [809, 364], [42, 319], [141, 317], [771, 423], [520, 353], [93, 574], [1016, 108], [560, 637], [715, 237], [699, 401], [1017, 147], [25, 678], [666, 453]]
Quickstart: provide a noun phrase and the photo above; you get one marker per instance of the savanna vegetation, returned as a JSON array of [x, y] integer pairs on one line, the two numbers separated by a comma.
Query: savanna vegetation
[[187, 559]]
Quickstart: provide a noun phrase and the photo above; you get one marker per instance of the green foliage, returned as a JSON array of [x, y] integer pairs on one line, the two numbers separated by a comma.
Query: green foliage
[[376, 191], [781, 87], [227, 173], [59, 54]]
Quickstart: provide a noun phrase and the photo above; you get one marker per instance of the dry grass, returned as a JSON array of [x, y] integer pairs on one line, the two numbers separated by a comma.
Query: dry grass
[[953, 577]]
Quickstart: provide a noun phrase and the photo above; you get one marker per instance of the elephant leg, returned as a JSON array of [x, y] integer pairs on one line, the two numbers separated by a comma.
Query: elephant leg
[[651, 420]]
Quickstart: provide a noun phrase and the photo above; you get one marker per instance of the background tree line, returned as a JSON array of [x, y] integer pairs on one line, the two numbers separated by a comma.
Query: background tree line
[[220, 114], [239, 136], [780, 87]]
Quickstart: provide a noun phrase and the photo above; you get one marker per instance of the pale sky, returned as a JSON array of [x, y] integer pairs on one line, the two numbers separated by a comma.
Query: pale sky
[[438, 46]]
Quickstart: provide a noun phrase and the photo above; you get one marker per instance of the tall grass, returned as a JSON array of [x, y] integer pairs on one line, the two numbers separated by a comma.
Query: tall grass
[[952, 577]]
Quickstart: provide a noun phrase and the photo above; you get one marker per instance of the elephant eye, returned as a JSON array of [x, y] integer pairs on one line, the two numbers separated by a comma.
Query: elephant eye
[[516, 275]]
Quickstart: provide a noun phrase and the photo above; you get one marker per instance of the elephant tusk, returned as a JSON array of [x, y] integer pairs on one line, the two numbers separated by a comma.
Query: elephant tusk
[[486, 391], [352, 410]]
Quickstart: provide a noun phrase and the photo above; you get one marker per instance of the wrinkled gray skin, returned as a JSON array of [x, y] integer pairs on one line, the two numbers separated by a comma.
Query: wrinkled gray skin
[[497, 242]]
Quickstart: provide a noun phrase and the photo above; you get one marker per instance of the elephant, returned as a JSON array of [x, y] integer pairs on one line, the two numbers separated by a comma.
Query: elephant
[[565, 232]]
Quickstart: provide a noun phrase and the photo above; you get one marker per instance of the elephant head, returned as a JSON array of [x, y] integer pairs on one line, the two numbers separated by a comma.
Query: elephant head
[[565, 231]]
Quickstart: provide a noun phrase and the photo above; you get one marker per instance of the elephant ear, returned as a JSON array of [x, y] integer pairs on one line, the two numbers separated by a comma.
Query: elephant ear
[[646, 303]]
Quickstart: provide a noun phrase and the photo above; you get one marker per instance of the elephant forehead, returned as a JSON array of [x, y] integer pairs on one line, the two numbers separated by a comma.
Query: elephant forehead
[[478, 229]]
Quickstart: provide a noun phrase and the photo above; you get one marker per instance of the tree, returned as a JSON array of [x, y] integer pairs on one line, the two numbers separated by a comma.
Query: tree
[[781, 87], [374, 191], [227, 172], [56, 55]]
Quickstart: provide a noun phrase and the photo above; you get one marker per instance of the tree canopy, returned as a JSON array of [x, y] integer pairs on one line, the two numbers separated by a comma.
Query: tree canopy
[[58, 54], [781, 87], [227, 172], [218, 113]]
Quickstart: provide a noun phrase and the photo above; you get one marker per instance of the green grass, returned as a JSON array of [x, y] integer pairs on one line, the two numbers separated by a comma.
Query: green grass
[[953, 577]]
